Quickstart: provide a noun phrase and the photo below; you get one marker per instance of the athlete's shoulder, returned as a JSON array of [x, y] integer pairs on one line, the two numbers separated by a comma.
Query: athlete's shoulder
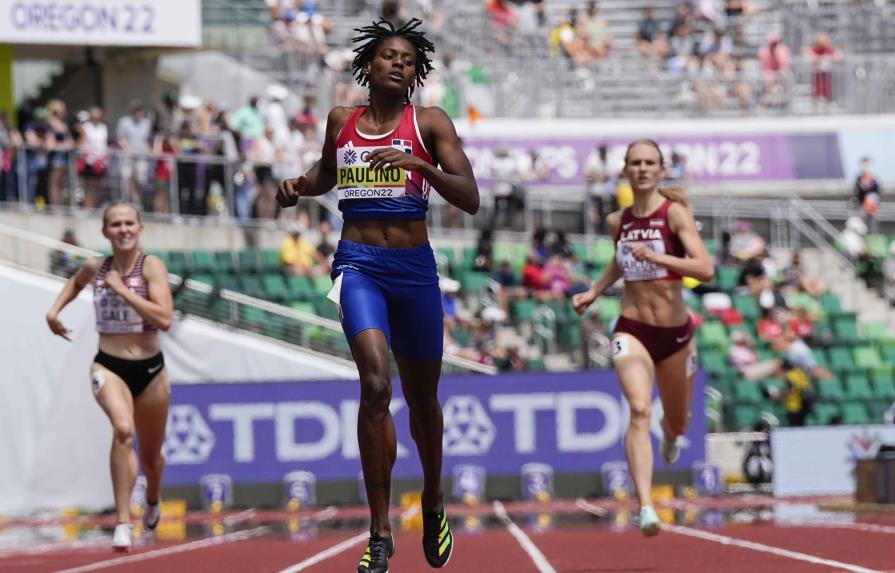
[[614, 222], [337, 117], [430, 114], [154, 262], [93, 264]]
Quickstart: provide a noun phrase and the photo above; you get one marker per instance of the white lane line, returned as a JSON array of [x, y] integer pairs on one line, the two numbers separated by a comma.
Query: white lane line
[[872, 527], [192, 546], [527, 544], [770, 549], [590, 508], [327, 553]]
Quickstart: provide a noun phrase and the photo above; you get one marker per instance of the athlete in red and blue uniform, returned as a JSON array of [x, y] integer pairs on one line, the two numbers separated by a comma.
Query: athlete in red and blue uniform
[[384, 159], [656, 244]]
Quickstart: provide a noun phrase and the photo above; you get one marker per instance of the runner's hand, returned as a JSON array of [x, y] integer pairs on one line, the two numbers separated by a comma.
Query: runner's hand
[[389, 158], [290, 190], [57, 327], [582, 300]]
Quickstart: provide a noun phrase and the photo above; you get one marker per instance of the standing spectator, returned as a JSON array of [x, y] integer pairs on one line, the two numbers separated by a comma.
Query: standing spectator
[[60, 143], [822, 56], [649, 41], [133, 134], [168, 116], [484, 251], [10, 142], [600, 187], [774, 59], [594, 31], [93, 162], [503, 21], [868, 193], [247, 121], [265, 204], [273, 114], [505, 175], [37, 132], [263, 155], [676, 174], [307, 116], [798, 397]]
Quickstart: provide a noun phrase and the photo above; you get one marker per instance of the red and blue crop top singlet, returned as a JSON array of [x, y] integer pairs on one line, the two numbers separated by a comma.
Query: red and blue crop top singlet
[[113, 314], [386, 194], [655, 232]]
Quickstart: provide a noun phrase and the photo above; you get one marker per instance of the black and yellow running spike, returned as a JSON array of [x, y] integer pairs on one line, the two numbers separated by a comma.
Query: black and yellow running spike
[[379, 551], [438, 541]]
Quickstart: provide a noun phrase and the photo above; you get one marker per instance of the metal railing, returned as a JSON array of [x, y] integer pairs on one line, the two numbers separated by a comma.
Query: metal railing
[[286, 325]]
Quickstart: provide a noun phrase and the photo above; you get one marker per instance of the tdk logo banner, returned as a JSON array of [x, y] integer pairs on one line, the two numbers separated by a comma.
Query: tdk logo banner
[[261, 431]]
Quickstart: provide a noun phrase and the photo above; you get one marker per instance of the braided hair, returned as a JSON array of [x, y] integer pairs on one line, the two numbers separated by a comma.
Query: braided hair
[[371, 37]]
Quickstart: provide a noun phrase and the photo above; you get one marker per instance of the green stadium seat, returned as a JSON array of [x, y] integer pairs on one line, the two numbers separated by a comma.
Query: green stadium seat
[[830, 303], [867, 357], [727, 278], [251, 285], [886, 348], [535, 364], [299, 288], [712, 333], [322, 284], [877, 246], [473, 281], [875, 330], [746, 306], [855, 413], [857, 386], [714, 362], [305, 307], [227, 282], [608, 307], [822, 414], [830, 390], [877, 410], [841, 358], [468, 258], [523, 309], [223, 262], [252, 317], [203, 262], [248, 261], [177, 262], [326, 308], [270, 261], [274, 286], [207, 279], [884, 383], [745, 416], [602, 251], [846, 330], [747, 391]]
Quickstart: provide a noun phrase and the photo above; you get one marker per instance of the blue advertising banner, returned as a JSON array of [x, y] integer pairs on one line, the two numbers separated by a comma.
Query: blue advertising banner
[[259, 432]]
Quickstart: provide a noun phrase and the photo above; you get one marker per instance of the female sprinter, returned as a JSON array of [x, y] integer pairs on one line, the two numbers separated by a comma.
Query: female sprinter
[[656, 243], [384, 159], [133, 301]]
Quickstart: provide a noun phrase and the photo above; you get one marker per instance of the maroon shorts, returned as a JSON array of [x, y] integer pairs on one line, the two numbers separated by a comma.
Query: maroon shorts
[[660, 341]]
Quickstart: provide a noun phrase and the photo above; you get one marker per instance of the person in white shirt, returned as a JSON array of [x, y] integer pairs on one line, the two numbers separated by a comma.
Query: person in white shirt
[[92, 164]]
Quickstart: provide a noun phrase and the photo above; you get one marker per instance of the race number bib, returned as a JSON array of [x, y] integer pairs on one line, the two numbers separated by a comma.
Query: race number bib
[[635, 270], [355, 179]]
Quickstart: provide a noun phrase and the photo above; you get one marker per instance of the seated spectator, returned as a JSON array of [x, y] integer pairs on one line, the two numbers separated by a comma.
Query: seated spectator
[[649, 41], [594, 32], [565, 40], [800, 355], [510, 289], [770, 327], [737, 12], [745, 243], [868, 193], [484, 252], [851, 238], [298, 257], [503, 21], [536, 280], [717, 48], [798, 397], [325, 246], [801, 324], [744, 358], [795, 279], [561, 246]]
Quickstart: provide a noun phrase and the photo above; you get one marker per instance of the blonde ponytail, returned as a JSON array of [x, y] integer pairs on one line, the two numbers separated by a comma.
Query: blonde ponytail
[[676, 194]]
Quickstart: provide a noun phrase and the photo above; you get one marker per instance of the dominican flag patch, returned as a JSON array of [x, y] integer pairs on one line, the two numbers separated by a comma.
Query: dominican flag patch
[[404, 145]]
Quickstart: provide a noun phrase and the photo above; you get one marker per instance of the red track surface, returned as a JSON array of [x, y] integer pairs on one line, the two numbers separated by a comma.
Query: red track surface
[[578, 543]]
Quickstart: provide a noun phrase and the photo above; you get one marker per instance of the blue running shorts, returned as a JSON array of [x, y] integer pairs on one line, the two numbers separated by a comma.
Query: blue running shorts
[[393, 290]]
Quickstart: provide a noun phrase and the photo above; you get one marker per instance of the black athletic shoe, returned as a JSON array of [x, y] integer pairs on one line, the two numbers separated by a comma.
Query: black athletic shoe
[[375, 559], [438, 541]]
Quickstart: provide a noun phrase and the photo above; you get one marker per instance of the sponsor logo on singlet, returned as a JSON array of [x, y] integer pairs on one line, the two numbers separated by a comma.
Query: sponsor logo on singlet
[[355, 179]]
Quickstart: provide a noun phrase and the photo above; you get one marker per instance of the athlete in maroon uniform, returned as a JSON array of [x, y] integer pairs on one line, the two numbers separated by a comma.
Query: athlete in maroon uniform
[[133, 302], [656, 243]]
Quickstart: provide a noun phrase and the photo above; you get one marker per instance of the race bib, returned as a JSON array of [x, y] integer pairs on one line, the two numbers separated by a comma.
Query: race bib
[[635, 270], [355, 179]]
